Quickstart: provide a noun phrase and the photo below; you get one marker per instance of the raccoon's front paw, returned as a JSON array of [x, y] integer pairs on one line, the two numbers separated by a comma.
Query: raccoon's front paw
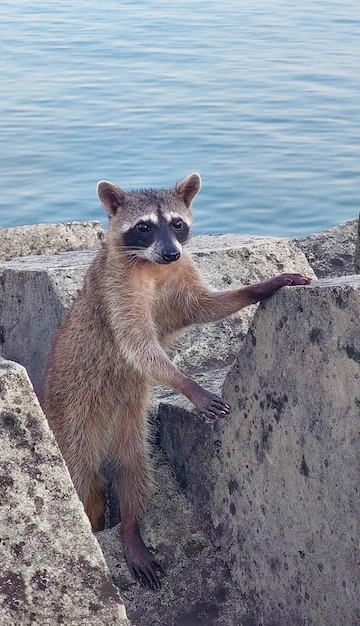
[[212, 406], [264, 290], [208, 404]]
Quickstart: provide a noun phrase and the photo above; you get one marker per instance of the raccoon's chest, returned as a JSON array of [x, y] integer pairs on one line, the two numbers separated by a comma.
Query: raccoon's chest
[[167, 313]]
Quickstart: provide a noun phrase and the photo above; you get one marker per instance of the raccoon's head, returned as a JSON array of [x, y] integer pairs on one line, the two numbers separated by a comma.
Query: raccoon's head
[[151, 224]]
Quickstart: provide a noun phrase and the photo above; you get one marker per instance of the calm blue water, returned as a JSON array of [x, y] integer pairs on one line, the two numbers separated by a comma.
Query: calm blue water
[[262, 98]]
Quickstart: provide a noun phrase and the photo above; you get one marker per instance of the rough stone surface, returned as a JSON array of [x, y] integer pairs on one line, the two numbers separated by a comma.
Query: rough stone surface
[[197, 589], [52, 568], [49, 238], [35, 293], [331, 252], [277, 482], [357, 250]]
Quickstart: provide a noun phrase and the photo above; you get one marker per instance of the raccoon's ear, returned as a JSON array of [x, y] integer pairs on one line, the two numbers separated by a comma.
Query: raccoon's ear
[[188, 188], [110, 196]]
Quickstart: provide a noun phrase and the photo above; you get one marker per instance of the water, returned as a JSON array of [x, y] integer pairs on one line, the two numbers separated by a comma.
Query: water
[[262, 98]]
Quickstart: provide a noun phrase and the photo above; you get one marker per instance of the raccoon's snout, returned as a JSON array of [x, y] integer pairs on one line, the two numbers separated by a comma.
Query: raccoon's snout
[[168, 256]]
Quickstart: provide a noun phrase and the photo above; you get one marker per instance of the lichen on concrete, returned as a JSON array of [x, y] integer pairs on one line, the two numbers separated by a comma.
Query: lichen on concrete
[[52, 569], [279, 477]]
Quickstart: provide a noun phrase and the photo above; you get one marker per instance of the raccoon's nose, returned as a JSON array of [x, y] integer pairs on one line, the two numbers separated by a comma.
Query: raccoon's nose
[[170, 256]]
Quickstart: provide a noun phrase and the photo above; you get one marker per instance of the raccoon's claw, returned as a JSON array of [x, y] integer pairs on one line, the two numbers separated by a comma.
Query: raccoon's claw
[[148, 575], [213, 406], [207, 403]]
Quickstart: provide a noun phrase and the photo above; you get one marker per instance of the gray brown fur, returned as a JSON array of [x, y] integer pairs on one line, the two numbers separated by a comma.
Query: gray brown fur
[[111, 350]]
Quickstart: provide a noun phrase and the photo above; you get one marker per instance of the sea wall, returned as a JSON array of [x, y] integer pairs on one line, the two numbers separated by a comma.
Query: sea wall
[[275, 485]]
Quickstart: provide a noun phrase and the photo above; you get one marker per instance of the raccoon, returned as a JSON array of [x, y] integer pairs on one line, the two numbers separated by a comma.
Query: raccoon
[[141, 290]]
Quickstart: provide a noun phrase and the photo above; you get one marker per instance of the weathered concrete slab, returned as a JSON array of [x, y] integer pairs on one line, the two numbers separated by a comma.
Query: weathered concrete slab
[[357, 249], [277, 482], [35, 293], [52, 568], [49, 238], [331, 252]]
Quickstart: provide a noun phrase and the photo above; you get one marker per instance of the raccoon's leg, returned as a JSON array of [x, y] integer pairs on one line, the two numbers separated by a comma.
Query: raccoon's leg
[[129, 456], [94, 504], [209, 306], [80, 440]]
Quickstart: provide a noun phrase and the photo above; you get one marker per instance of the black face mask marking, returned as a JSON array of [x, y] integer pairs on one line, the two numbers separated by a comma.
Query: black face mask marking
[[141, 236], [157, 242], [181, 229]]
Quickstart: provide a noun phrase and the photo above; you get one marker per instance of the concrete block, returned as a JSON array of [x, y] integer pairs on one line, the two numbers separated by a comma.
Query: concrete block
[[277, 482], [357, 249], [331, 252], [35, 293], [49, 238], [52, 567]]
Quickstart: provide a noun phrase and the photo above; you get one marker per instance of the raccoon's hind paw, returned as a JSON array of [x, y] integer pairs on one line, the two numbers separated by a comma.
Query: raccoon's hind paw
[[142, 564], [147, 574]]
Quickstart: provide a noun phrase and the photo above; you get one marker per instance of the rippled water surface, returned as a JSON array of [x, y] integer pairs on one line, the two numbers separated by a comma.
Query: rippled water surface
[[262, 98]]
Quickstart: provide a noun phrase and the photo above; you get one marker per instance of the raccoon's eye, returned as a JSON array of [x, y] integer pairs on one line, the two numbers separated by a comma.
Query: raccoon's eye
[[143, 227], [178, 224]]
